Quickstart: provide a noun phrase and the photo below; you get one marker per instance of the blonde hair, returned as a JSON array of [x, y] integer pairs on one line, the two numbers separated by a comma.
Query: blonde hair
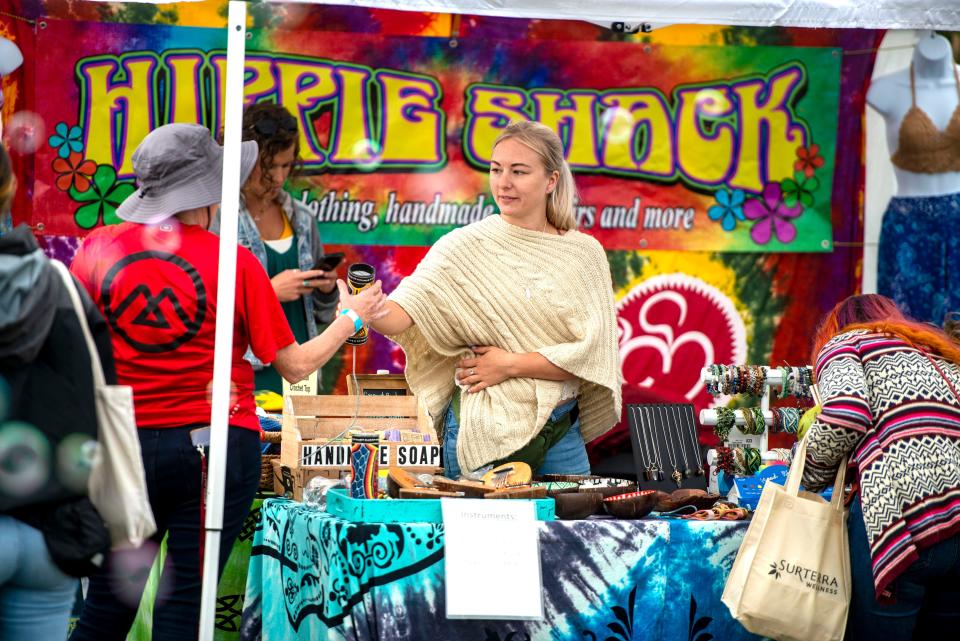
[[547, 145]]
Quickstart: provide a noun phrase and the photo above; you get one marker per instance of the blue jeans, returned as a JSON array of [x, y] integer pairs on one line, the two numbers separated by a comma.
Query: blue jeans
[[568, 456], [173, 470], [36, 598], [927, 604]]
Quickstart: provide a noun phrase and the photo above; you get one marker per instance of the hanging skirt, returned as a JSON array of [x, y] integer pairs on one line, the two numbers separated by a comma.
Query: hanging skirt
[[919, 257]]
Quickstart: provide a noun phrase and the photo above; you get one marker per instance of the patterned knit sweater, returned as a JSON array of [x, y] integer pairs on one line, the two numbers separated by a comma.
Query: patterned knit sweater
[[887, 406], [493, 283]]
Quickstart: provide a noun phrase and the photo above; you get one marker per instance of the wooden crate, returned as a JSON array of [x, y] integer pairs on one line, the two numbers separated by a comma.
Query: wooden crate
[[378, 385], [316, 435]]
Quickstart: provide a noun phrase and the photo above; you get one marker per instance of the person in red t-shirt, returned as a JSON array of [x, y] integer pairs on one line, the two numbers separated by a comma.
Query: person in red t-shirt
[[155, 279]]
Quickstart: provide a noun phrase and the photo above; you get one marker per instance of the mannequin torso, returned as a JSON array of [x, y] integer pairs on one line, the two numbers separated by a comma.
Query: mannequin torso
[[937, 95]]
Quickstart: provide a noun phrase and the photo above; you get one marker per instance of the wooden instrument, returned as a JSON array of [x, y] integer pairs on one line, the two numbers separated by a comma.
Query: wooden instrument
[[426, 493], [398, 480], [470, 489], [522, 492], [508, 475]]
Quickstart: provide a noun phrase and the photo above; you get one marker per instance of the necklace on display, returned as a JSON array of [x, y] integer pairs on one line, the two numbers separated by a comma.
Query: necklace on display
[[691, 431], [678, 422], [676, 475], [643, 456], [653, 472]]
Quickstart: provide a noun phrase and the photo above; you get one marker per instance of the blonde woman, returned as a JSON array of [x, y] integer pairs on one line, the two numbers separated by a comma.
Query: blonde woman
[[508, 324]]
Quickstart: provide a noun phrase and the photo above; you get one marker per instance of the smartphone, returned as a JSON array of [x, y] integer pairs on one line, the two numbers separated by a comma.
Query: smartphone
[[329, 262]]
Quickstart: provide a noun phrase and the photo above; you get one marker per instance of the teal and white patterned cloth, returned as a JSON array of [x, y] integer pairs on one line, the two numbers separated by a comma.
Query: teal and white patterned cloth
[[315, 576]]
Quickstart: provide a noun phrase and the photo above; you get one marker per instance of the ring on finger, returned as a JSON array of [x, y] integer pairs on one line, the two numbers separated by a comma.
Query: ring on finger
[[306, 283], [473, 372]]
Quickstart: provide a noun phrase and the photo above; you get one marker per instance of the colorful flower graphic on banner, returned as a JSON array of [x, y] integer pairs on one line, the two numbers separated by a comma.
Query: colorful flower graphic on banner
[[729, 208], [67, 140], [95, 186], [102, 199], [799, 190], [74, 172], [808, 160], [773, 216]]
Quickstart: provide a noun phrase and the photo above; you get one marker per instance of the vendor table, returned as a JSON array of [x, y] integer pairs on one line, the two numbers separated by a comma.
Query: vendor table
[[315, 576]]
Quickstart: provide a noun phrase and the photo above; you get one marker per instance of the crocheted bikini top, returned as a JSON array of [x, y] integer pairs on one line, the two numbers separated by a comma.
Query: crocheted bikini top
[[923, 148]]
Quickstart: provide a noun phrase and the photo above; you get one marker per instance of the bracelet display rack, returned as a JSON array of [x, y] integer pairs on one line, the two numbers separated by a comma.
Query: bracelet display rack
[[666, 451], [773, 378]]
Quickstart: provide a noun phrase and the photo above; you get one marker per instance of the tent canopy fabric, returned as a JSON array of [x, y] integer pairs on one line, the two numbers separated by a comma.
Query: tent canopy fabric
[[867, 14]]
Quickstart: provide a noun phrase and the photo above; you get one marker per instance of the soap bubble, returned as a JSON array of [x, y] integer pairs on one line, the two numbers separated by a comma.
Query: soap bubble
[[24, 459], [24, 132], [369, 150], [233, 396], [129, 570], [164, 236], [617, 124], [711, 102], [75, 456]]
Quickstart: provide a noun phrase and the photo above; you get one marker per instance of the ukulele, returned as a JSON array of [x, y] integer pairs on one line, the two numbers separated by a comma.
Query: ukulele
[[508, 475]]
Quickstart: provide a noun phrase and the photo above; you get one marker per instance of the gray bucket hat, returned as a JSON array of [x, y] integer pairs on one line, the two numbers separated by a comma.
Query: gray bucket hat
[[179, 167]]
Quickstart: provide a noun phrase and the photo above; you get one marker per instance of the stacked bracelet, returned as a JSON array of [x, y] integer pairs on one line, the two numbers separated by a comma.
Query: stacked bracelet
[[725, 420], [355, 317]]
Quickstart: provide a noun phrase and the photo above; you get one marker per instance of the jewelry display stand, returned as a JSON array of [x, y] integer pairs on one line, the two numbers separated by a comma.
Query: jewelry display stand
[[773, 378], [666, 451]]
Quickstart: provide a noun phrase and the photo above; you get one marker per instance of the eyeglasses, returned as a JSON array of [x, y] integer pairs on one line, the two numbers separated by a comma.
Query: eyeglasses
[[270, 126]]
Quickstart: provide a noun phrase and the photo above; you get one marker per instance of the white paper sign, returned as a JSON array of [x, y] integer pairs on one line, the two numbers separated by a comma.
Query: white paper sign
[[736, 438], [492, 558], [308, 386]]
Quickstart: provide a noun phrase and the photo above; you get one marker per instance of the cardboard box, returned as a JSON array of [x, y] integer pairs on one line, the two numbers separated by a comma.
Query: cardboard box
[[315, 436]]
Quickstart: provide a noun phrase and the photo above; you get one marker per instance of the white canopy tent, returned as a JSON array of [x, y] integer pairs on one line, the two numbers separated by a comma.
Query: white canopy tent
[[621, 14], [863, 14]]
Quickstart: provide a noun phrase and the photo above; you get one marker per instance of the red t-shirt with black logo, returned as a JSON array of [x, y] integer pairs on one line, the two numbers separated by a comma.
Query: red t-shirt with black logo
[[157, 288]]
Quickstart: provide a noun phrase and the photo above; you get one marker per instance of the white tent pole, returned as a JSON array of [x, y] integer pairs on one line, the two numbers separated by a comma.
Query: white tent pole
[[226, 294]]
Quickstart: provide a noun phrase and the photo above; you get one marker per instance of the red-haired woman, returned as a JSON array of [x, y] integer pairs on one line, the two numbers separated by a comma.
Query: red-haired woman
[[889, 389]]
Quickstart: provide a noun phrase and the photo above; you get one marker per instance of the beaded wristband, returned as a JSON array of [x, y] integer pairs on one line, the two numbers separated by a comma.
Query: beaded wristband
[[725, 460]]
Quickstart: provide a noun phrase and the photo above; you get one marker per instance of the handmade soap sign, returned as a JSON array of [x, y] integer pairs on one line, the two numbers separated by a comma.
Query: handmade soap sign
[[337, 456]]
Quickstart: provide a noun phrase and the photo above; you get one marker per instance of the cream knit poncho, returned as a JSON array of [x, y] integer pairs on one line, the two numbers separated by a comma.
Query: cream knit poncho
[[493, 283]]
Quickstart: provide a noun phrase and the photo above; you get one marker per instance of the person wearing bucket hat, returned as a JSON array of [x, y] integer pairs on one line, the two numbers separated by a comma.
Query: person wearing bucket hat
[[282, 233], [155, 279]]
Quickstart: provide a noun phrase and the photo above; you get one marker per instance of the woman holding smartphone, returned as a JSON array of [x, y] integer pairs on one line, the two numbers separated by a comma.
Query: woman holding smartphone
[[282, 233]]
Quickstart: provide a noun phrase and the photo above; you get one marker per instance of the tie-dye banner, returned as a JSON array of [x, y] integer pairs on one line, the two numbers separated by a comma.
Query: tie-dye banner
[[721, 148], [678, 310]]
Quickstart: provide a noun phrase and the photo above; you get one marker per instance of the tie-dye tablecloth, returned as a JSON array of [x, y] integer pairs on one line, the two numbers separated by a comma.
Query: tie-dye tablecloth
[[314, 576]]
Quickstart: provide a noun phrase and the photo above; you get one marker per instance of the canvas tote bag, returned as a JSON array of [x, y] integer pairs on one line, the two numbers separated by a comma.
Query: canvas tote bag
[[791, 578], [117, 484]]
